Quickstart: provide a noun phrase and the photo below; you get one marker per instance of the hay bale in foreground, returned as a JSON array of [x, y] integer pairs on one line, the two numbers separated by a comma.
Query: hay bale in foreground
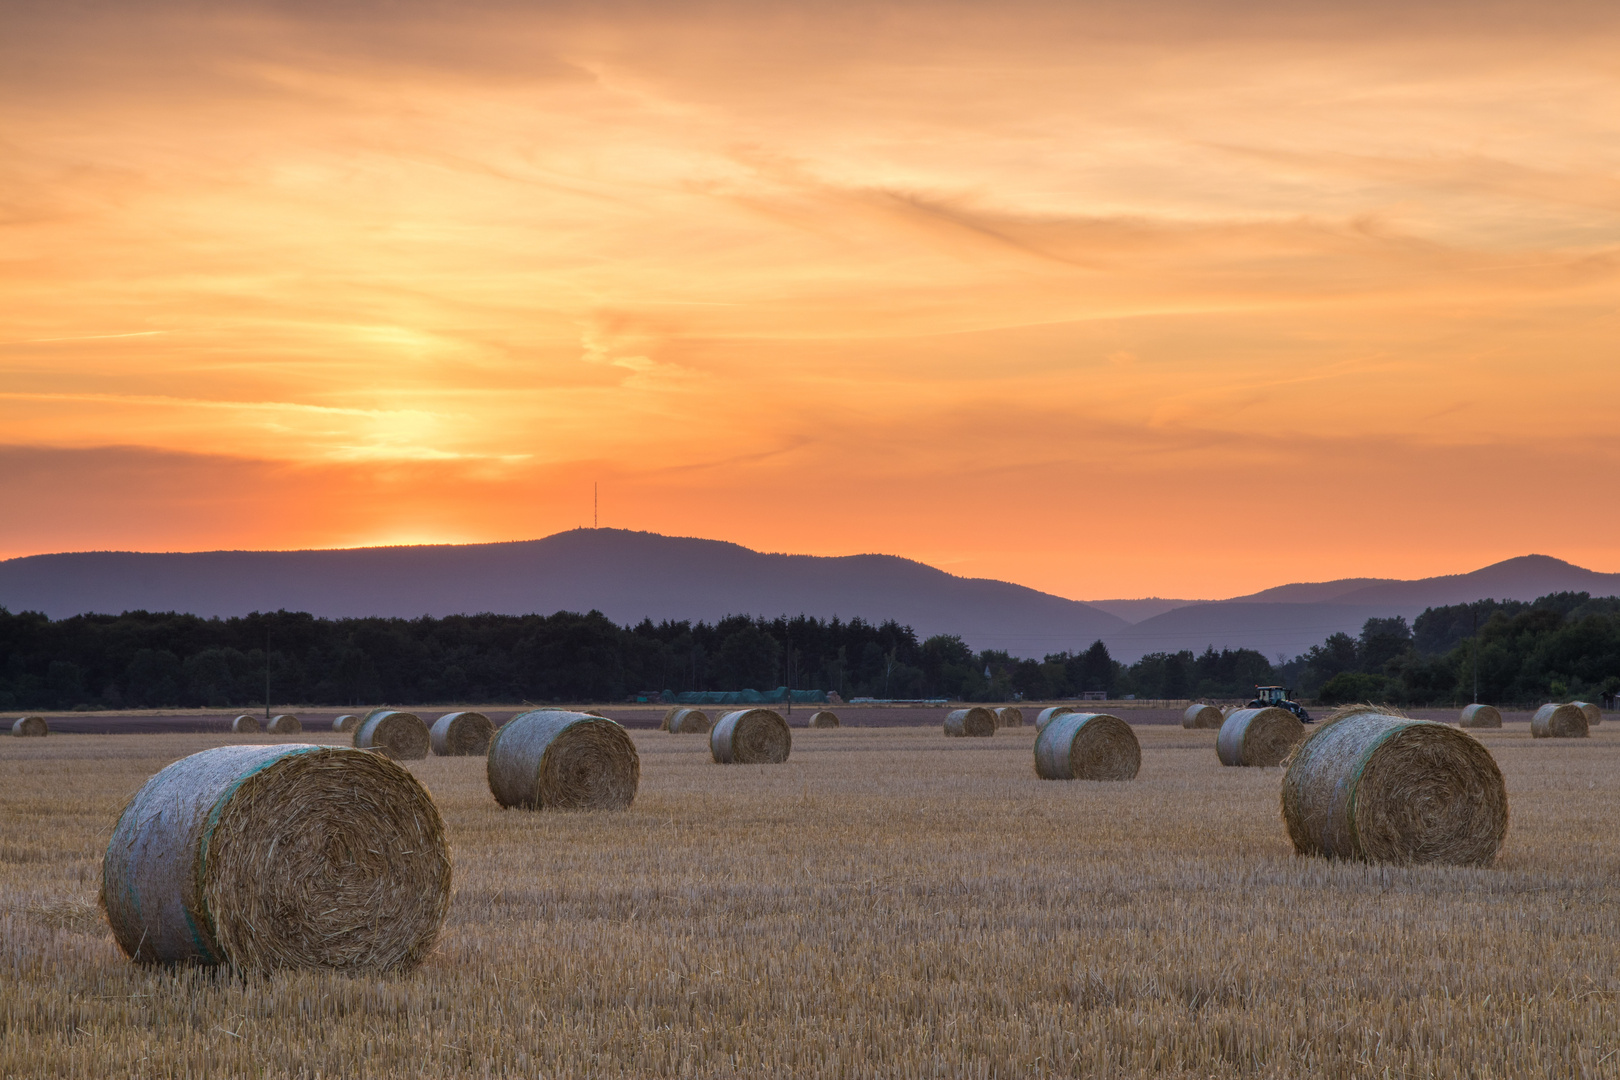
[[1047, 715], [30, 727], [461, 734], [401, 735], [1554, 721], [246, 724], [1392, 789], [823, 718], [689, 722], [1594, 715], [552, 759], [284, 724], [345, 723], [1200, 715], [976, 723], [1258, 737], [1087, 746], [1480, 716], [750, 737], [207, 864], [1009, 716]]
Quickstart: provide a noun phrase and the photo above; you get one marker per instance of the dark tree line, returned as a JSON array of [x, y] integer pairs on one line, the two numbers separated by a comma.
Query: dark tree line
[[1561, 646], [152, 660]]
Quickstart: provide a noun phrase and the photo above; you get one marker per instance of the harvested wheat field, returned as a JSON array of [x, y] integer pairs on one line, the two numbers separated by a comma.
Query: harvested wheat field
[[884, 903]]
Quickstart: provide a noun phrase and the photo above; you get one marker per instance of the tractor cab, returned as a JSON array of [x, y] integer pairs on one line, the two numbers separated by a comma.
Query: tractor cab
[[1276, 697]]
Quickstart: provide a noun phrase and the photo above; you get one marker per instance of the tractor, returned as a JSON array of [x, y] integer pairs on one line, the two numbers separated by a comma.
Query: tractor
[[1276, 697]]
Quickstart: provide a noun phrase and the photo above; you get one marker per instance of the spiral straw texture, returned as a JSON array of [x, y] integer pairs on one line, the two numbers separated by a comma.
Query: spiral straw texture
[[1202, 716], [285, 724], [461, 734], [271, 857], [551, 759], [1087, 746], [824, 718], [1480, 716], [1594, 715], [689, 722], [750, 737], [977, 723], [1047, 715], [401, 735], [246, 724], [30, 727], [1553, 721], [345, 723], [1258, 737], [1390, 789], [1009, 716]]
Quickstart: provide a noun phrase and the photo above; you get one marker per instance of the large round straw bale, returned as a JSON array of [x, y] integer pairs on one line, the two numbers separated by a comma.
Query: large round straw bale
[[1392, 789], [1258, 736], [750, 737], [460, 734], [1087, 746], [972, 723], [30, 727], [1594, 715], [1047, 715], [246, 724], [823, 718], [1201, 715], [552, 759], [401, 735], [345, 723], [689, 722], [669, 714], [1480, 716], [1009, 716], [1353, 708], [289, 856], [1558, 722], [284, 724]]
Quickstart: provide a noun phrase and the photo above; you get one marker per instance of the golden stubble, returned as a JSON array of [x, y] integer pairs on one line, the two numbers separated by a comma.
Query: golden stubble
[[886, 902]]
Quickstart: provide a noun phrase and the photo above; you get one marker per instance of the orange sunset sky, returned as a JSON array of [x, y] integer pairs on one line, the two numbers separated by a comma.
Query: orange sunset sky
[[1184, 299]]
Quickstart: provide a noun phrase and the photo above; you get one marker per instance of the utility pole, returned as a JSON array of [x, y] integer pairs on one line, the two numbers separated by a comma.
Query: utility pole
[[267, 671]]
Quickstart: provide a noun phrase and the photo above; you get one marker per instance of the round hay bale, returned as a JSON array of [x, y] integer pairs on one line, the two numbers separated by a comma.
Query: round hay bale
[[1047, 715], [209, 863], [401, 735], [977, 723], [30, 727], [823, 718], [345, 723], [1480, 716], [1355, 708], [669, 715], [460, 734], [750, 737], [1258, 737], [1391, 789], [1202, 716], [246, 724], [1558, 722], [552, 759], [1009, 716], [689, 722], [1087, 746], [1594, 715], [285, 724]]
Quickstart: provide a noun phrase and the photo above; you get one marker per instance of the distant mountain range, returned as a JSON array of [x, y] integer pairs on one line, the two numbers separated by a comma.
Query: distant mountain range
[[629, 576]]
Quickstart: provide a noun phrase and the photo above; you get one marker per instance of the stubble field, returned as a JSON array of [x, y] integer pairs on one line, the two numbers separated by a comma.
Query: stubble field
[[887, 903]]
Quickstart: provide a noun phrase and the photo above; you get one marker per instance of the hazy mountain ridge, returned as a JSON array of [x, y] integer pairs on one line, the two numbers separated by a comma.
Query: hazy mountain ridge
[[631, 575]]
